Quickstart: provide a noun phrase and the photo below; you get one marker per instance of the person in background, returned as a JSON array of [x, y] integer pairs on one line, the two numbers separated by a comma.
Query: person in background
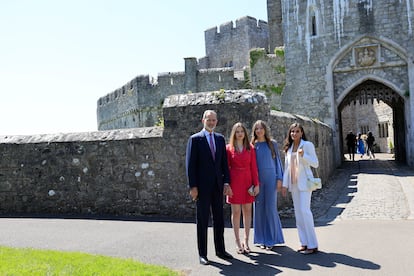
[[300, 157], [267, 225], [208, 178], [241, 157], [361, 145], [351, 144], [370, 145]]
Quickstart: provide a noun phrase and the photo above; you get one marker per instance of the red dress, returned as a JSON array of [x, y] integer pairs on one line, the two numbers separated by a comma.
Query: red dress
[[243, 173]]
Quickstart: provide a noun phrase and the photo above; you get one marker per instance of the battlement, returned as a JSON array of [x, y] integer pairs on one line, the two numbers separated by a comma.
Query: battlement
[[127, 90], [229, 28], [246, 33], [138, 102]]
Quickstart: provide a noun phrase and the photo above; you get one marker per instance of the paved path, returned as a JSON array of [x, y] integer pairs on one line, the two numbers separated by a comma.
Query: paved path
[[365, 226]]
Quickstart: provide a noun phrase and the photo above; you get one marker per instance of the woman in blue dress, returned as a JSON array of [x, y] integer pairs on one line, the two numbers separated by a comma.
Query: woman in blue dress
[[361, 145], [266, 224]]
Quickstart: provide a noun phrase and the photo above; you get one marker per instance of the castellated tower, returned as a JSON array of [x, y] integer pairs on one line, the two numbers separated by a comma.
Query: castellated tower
[[274, 20], [343, 52], [229, 46], [139, 102]]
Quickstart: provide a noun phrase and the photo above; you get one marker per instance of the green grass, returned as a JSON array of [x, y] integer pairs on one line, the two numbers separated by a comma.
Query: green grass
[[29, 261]]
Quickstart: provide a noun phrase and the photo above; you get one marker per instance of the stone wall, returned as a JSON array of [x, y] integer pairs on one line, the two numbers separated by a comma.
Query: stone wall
[[334, 47], [371, 117], [131, 172], [342, 27], [267, 73], [139, 102], [247, 33]]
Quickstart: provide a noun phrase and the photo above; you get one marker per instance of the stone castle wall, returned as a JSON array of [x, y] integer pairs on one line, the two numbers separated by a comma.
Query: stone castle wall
[[135, 171], [340, 25], [370, 117], [247, 33], [139, 102], [267, 73], [334, 47]]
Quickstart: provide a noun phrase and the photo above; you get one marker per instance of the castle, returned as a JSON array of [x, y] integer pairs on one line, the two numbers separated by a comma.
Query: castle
[[139, 102], [339, 57], [366, 58]]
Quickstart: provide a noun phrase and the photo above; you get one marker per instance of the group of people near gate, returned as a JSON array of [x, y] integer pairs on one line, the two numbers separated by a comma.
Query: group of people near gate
[[248, 171], [360, 145]]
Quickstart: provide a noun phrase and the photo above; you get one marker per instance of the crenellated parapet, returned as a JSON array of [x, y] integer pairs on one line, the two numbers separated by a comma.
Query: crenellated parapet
[[245, 34], [138, 103]]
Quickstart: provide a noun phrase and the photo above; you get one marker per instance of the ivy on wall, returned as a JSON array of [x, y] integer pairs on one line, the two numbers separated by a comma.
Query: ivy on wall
[[255, 55]]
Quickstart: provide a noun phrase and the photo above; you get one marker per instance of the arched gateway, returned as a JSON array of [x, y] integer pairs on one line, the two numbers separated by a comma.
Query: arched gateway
[[343, 51], [371, 91], [371, 69]]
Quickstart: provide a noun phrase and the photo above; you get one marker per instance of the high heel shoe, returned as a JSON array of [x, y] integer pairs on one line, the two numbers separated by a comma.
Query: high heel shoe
[[302, 248], [246, 248], [310, 251], [239, 248]]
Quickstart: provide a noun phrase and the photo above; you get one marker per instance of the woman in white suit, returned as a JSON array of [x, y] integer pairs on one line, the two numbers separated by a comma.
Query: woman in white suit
[[300, 156]]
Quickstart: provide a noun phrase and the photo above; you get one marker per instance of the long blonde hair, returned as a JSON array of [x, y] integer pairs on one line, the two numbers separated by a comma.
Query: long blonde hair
[[267, 136], [246, 143]]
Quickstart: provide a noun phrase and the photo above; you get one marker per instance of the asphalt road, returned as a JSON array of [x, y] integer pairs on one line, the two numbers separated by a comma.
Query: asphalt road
[[367, 230]]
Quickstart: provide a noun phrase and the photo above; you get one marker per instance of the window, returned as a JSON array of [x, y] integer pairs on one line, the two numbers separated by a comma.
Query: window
[[228, 64], [313, 29], [364, 129], [383, 130], [313, 21]]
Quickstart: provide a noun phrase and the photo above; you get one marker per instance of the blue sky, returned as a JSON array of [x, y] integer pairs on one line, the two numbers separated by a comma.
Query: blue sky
[[57, 58]]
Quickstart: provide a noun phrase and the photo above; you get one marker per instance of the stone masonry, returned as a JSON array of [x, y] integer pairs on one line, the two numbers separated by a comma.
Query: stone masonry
[[135, 171], [333, 48]]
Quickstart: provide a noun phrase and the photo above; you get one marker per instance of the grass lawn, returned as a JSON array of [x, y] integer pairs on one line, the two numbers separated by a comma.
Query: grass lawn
[[27, 261]]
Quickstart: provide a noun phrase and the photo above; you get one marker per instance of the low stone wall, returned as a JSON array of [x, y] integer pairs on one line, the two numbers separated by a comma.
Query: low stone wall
[[130, 172]]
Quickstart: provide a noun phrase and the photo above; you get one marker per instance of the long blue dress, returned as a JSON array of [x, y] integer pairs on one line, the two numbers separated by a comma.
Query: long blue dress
[[361, 146], [267, 225]]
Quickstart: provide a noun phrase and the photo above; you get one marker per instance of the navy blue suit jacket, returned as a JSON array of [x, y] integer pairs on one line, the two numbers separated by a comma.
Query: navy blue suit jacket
[[203, 171]]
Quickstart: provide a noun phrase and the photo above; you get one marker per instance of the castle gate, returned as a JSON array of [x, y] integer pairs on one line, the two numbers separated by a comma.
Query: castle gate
[[370, 91], [369, 69]]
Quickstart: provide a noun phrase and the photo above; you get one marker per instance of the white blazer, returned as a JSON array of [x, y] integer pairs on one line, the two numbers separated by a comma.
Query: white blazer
[[309, 159]]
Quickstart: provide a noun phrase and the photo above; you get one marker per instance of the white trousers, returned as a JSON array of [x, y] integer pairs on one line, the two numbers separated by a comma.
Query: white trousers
[[304, 217]]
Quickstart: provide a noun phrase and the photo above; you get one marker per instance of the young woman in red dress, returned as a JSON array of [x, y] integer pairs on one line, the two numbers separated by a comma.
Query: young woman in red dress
[[241, 157]]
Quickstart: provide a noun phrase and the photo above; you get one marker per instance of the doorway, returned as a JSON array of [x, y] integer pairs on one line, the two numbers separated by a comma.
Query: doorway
[[374, 107]]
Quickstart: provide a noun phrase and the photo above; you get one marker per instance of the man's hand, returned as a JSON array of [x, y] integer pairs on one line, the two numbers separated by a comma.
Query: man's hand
[[194, 193], [228, 191]]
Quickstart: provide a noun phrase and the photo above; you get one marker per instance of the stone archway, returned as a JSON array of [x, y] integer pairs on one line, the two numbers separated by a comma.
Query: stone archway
[[367, 93]]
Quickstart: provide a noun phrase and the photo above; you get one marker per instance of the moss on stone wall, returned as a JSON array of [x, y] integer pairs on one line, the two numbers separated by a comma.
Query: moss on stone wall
[[277, 89], [280, 52], [280, 69], [247, 81], [255, 55]]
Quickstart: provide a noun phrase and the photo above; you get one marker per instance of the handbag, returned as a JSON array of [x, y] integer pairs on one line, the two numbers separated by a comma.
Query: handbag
[[313, 183], [251, 190]]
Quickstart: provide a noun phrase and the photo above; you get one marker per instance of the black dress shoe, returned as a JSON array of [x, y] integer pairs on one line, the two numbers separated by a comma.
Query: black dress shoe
[[203, 260], [224, 255]]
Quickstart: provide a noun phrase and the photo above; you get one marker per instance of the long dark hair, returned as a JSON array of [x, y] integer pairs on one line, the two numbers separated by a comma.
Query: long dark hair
[[288, 141], [268, 138]]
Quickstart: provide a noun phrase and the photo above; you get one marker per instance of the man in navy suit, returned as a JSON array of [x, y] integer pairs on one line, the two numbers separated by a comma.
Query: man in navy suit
[[208, 178]]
